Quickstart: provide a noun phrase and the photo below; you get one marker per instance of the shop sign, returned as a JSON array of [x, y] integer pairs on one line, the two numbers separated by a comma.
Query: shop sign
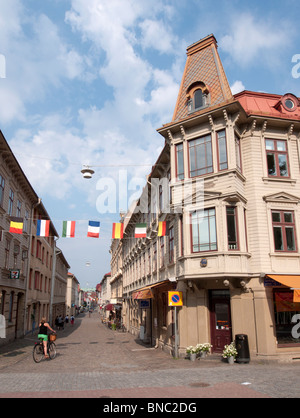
[[144, 304], [14, 274]]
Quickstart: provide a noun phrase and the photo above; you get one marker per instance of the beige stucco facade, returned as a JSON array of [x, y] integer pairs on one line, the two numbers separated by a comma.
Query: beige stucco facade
[[234, 168]]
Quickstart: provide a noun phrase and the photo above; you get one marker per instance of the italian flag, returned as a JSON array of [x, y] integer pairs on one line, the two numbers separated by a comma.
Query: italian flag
[[117, 231], [43, 228], [140, 231], [68, 229], [16, 225]]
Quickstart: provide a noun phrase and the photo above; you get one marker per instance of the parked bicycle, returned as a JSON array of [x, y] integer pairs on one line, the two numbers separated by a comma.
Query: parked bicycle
[[38, 349]]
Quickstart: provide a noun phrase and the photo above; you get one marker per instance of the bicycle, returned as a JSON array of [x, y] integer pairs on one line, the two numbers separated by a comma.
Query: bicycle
[[38, 349]]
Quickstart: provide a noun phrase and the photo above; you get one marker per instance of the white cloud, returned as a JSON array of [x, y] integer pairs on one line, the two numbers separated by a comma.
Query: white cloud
[[237, 87], [252, 39]]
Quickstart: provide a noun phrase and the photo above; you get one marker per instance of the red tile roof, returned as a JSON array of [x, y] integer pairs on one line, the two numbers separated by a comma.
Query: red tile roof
[[264, 104]]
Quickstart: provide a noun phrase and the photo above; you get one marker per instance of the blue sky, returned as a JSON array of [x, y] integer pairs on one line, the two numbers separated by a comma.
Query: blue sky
[[88, 82]]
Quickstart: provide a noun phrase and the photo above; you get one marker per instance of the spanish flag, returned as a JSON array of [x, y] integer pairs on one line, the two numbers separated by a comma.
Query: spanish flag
[[16, 225], [117, 231], [162, 229]]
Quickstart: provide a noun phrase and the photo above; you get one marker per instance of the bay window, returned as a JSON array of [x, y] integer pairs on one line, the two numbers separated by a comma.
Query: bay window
[[204, 235]]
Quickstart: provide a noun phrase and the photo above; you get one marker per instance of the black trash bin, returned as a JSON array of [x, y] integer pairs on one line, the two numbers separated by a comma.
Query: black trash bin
[[242, 347]]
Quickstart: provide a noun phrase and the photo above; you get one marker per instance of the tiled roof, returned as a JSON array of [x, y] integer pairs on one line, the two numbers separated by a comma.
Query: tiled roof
[[203, 65], [264, 104]]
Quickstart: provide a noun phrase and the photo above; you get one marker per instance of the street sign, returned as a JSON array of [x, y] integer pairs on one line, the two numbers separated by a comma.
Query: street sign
[[175, 298]]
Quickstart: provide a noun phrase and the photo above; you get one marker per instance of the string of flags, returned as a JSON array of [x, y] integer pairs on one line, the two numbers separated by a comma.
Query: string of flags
[[68, 228]]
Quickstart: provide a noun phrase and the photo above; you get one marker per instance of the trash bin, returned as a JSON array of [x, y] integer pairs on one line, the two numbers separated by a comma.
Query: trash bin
[[242, 347]]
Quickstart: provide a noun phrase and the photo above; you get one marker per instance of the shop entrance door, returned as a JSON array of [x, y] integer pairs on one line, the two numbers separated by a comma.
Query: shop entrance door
[[220, 320]]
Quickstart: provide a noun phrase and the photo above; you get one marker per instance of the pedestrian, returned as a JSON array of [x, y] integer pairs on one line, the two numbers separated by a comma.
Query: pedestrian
[[56, 322], [43, 334], [72, 320], [60, 322], [67, 319]]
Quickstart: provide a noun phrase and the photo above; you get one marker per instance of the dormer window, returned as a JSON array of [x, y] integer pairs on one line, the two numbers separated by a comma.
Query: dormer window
[[197, 97]]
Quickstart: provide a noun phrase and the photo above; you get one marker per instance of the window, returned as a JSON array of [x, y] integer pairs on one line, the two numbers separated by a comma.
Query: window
[[162, 251], [285, 309], [149, 261], [231, 216], [284, 230], [238, 153], [10, 202], [179, 162], [204, 236], [171, 245], [222, 150], [2, 184], [154, 257], [7, 249], [26, 223], [19, 207], [200, 153], [277, 158]]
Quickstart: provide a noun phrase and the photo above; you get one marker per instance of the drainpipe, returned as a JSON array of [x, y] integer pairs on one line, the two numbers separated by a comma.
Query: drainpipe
[[251, 290]]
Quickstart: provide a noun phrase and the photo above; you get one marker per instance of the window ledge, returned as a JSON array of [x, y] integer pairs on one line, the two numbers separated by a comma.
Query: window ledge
[[280, 179], [285, 254]]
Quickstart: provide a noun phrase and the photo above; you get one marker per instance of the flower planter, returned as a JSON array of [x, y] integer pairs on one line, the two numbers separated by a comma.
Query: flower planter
[[230, 359], [193, 356], [203, 354]]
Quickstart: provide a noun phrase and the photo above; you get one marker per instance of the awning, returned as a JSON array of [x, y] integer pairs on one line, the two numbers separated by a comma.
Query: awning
[[109, 307], [292, 281], [146, 292], [142, 294]]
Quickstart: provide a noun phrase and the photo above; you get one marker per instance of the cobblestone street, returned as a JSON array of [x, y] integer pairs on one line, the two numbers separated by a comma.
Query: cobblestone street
[[94, 361]]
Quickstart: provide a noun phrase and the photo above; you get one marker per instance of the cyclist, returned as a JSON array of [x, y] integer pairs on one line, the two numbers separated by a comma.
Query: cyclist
[[43, 334]]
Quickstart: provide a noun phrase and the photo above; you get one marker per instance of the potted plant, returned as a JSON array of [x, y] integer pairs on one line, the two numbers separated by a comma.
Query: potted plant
[[230, 352], [192, 351], [203, 349]]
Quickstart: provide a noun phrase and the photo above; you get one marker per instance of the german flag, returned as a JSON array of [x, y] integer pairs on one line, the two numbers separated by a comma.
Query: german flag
[[162, 229], [117, 231], [16, 225]]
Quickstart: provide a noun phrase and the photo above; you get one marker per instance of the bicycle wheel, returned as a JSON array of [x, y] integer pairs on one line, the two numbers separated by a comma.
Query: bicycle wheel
[[52, 351], [38, 352]]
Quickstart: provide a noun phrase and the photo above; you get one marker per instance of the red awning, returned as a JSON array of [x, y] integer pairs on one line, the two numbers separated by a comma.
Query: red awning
[[109, 307]]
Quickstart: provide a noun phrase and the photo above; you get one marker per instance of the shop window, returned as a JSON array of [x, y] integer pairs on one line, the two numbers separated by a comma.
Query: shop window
[[285, 310], [284, 230], [204, 235], [277, 158]]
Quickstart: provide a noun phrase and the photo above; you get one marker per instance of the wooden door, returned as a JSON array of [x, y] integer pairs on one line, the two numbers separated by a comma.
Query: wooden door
[[220, 321]]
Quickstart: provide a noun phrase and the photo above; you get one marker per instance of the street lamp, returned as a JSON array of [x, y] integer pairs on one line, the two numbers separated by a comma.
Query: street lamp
[[87, 172]]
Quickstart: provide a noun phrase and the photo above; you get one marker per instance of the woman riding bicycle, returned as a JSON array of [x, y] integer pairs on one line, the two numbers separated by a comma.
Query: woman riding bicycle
[[43, 334]]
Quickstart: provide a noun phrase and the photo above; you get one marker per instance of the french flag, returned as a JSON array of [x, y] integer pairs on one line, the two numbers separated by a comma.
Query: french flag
[[43, 228], [94, 229]]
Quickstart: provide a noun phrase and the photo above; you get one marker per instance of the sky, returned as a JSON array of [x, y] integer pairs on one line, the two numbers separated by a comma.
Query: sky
[[89, 82]]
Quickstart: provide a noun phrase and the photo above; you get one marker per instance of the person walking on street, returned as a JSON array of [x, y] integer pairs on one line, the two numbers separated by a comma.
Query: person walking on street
[[67, 319], [43, 334], [72, 320]]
